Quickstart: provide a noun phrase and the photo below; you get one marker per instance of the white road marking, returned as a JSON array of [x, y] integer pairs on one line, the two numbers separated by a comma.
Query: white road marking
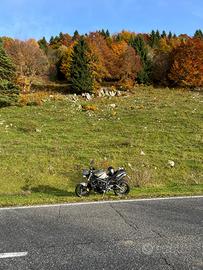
[[12, 255], [99, 202]]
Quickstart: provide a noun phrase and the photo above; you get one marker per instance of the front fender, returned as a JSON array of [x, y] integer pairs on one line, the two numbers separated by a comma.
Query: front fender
[[83, 184]]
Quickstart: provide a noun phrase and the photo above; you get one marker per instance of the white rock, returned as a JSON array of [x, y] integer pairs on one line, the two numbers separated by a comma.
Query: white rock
[[112, 94], [87, 96], [142, 153], [113, 106], [118, 93], [171, 163]]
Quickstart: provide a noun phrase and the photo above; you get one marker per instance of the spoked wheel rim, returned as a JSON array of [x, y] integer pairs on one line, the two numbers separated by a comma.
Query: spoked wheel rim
[[81, 191], [122, 189]]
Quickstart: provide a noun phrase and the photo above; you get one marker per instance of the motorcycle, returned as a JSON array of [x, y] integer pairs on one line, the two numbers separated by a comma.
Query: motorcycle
[[101, 181]]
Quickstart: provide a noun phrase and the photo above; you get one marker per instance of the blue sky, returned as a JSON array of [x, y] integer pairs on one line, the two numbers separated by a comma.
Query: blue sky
[[36, 18]]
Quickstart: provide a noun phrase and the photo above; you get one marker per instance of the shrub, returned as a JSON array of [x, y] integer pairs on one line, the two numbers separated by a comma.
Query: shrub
[[8, 93], [89, 108]]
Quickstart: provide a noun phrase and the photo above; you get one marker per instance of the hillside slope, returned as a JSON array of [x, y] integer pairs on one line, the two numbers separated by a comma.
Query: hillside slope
[[44, 148]]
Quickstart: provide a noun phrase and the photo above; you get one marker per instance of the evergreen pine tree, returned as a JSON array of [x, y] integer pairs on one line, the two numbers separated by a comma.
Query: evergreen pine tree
[[158, 34], [43, 44], [8, 90], [76, 35], [163, 35], [81, 77], [118, 38], [107, 33], [51, 41], [103, 33], [154, 39], [60, 35], [144, 76], [170, 35], [198, 34]]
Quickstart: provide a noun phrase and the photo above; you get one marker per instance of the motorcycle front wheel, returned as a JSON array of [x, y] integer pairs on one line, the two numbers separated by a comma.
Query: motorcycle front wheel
[[81, 190], [122, 188]]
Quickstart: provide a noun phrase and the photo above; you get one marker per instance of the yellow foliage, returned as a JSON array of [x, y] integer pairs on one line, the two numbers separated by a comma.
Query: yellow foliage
[[126, 35], [89, 108], [38, 98], [66, 62]]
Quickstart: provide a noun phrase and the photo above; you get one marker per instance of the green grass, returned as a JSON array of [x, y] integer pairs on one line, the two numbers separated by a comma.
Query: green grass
[[44, 148]]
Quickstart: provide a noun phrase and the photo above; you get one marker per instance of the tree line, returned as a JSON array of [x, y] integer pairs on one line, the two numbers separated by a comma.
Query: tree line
[[86, 62]]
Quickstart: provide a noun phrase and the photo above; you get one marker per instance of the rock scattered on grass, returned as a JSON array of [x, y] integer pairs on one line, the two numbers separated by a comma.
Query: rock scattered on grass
[[171, 163], [87, 96], [113, 106]]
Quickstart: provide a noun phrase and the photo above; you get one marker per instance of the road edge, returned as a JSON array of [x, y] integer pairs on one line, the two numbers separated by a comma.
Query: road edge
[[99, 202]]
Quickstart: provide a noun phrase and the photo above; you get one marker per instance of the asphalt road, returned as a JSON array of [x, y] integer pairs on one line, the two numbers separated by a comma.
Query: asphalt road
[[156, 234]]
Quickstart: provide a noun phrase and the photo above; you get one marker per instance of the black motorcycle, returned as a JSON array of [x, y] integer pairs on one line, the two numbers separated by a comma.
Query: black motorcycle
[[101, 181]]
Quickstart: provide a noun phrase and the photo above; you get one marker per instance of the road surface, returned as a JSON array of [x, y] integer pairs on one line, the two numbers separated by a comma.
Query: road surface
[[150, 234]]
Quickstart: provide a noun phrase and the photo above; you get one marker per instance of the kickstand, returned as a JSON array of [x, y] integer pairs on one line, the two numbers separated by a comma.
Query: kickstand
[[103, 195]]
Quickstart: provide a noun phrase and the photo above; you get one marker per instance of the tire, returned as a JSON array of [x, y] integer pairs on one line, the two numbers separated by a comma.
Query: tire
[[123, 190], [81, 190]]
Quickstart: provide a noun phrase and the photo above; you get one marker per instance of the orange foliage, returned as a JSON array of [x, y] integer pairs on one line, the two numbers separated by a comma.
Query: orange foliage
[[101, 57], [187, 64], [89, 108], [126, 62]]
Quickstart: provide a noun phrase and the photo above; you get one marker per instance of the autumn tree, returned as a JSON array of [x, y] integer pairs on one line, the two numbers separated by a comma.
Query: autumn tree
[[162, 59], [126, 36], [29, 59], [101, 56], [160, 67], [187, 64], [127, 64], [66, 60], [80, 74], [8, 89]]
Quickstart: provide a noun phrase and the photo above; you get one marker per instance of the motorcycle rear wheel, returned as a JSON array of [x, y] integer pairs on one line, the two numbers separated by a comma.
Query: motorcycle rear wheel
[[122, 189], [81, 190]]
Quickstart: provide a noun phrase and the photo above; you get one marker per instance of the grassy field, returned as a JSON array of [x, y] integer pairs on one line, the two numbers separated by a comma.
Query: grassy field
[[44, 148]]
